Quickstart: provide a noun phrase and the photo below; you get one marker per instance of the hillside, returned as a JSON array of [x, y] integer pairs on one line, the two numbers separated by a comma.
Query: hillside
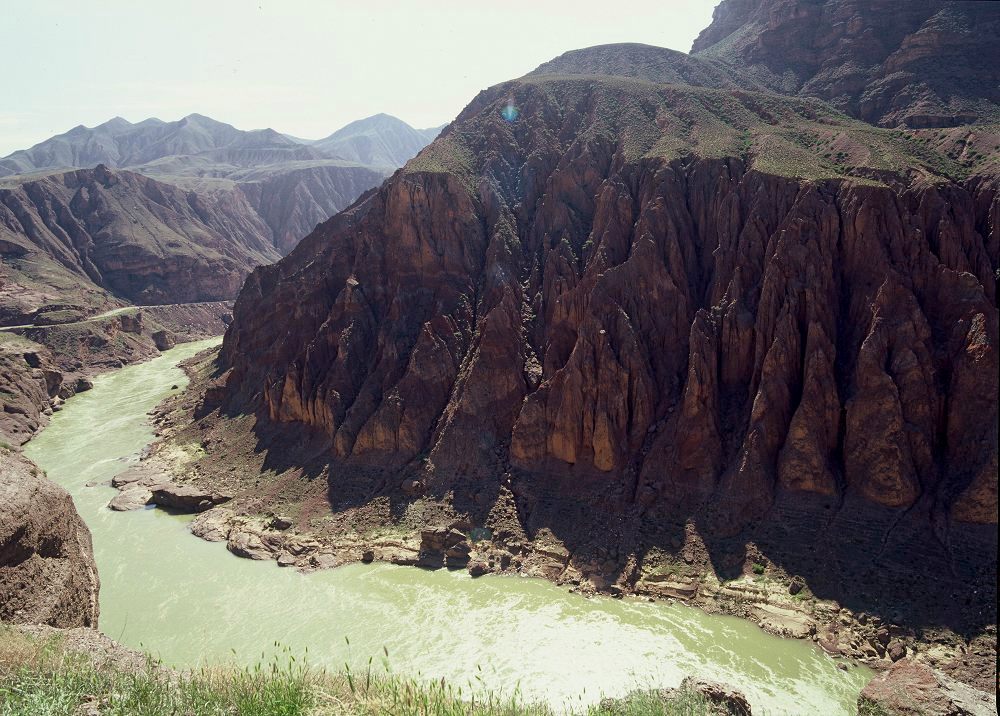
[[87, 238], [378, 141], [292, 184], [921, 63]]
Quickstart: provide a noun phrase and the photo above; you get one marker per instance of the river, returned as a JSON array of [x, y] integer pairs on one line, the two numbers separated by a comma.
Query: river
[[190, 602]]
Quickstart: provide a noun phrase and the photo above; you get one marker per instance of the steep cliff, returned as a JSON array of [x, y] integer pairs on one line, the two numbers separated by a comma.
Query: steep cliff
[[921, 63], [47, 569], [294, 201], [647, 321], [670, 290]]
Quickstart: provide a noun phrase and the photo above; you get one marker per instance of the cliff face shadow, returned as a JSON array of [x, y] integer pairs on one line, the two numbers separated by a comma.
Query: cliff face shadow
[[888, 563], [906, 567]]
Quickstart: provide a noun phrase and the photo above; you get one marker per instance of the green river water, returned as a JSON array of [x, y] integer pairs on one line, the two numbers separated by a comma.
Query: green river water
[[190, 602]]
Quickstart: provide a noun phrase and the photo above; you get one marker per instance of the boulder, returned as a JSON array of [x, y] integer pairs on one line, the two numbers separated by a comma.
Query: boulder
[[133, 497], [722, 700], [185, 497], [248, 544], [478, 568], [896, 650], [131, 322], [444, 546], [164, 340], [213, 525], [47, 569], [910, 688]]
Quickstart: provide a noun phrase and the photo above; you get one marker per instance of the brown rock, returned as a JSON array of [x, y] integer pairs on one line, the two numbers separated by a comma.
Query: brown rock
[[478, 568], [47, 570], [247, 543], [896, 650], [911, 688], [185, 497], [164, 340], [133, 497], [885, 62], [213, 525], [798, 310], [131, 322]]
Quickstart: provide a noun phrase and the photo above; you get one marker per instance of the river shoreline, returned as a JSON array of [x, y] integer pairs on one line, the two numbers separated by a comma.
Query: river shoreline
[[150, 528], [764, 594]]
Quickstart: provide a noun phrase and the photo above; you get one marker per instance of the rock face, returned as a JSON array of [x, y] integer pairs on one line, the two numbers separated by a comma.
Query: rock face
[[920, 64], [29, 380], [633, 312], [910, 688], [694, 331], [293, 201], [47, 569]]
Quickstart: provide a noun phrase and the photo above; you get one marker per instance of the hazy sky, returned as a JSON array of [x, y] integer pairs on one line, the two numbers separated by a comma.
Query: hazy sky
[[304, 67]]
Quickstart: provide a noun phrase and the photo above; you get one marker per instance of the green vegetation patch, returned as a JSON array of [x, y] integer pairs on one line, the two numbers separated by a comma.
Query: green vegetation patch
[[559, 117], [42, 676]]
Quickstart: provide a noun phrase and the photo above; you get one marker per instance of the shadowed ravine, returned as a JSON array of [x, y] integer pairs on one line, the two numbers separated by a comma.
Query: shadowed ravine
[[191, 602]]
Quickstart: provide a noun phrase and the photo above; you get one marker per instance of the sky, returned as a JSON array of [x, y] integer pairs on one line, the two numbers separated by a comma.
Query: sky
[[303, 67]]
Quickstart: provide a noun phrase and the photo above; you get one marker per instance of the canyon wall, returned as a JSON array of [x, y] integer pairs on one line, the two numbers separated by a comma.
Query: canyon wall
[[700, 333]]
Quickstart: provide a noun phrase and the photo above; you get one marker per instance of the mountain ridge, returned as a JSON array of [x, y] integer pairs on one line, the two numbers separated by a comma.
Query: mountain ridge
[[118, 143]]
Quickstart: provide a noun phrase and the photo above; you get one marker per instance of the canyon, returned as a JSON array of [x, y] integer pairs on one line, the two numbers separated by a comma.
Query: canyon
[[718, 327], [173, 213], [651, 326]]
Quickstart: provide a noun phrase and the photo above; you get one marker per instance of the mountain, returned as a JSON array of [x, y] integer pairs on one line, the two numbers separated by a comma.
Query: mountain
[[293, 184], [644, 328], [921, 63], [615, 282], [646, 62], [90, 238], [377, 141], [119, 143]]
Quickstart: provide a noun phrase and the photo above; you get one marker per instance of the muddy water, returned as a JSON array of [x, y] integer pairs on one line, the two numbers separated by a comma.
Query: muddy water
[[191, 602]]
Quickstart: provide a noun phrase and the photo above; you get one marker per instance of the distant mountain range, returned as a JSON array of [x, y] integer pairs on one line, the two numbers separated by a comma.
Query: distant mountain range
[[293, 183], [201, 146], [169, 212]]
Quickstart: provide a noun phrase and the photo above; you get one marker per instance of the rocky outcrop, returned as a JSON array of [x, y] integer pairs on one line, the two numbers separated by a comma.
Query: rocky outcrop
[[29, 382], [690, 332], [920, 64], [184, 497], [909, 688], [47, 569]]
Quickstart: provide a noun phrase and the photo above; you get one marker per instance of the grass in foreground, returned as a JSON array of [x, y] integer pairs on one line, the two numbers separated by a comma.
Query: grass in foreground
[[41, 677]]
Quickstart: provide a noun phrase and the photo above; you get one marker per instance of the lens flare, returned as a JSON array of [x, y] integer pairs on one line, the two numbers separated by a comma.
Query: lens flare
[[510, 112]]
